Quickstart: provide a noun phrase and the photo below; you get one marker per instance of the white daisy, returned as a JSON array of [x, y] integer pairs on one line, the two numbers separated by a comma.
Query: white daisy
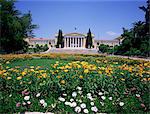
[[28, 102], [37, 95], [61, 99], [94, 109], [86, 111], [79, 88], [100, 93], [74, 104], [121, 103], [138, 95], [110, 98], [42, 101], [92, 103], [89, 95], [103, 97], [77, 109], [74, 94], [67, 103], [23, 103], [71, 100], [45, 105], [83, 105], [64, 94], [26, 98]]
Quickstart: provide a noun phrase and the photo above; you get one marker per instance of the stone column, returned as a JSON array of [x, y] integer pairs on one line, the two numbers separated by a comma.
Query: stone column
[[70, 42], [73, 42], [84, 42], [81, 42], [64, 42], [67, 42], [77, 42]]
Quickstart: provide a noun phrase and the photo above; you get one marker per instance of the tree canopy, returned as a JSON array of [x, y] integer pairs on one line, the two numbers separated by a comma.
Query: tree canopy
[[14, 27], [136, 40]]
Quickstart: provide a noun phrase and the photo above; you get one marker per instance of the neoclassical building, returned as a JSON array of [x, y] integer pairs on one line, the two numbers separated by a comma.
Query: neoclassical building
[[74, 40], [71, 41]]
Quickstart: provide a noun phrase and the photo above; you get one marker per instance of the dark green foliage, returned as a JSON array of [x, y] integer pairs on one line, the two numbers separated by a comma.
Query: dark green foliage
[[103, 48], [60, 39], [137, 39], [14, 27], [45, 47], [39, 48], [89, 40], [107, 49]]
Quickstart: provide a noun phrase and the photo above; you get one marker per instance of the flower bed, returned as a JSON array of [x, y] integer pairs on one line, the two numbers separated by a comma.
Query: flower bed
[[74, 84]]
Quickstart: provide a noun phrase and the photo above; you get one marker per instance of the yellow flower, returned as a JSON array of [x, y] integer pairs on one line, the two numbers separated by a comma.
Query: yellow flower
[[130, 69], [62, 81], [81, 77], [65, 70], [31, 67], [145, 64], [86, 71], [32, 70], [29, 82], [78, 66], [19, 78], [7, 62], [8, 78], [122, 73], [44, 75], [23, 73], [122, 79], [7, 67], [99, 72], [39, 76], [102, 68]]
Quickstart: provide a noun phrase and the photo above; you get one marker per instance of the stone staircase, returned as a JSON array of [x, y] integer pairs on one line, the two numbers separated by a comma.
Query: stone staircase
[[72, 51]]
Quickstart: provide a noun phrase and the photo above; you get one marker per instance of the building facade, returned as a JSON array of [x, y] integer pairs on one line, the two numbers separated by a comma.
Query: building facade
[[74, 40], [71, 41]]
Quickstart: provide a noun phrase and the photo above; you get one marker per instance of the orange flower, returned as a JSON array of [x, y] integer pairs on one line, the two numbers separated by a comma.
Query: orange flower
[[58, 77]]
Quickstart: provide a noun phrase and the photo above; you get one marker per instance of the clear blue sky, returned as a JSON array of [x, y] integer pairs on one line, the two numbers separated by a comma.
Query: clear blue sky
[[105, 18]]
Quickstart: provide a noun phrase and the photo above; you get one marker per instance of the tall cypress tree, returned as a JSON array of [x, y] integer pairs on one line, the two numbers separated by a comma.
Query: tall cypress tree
[[60, 39], [89, 40]]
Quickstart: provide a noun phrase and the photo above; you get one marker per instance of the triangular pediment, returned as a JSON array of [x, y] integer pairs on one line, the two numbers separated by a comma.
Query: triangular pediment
[[74, 34]]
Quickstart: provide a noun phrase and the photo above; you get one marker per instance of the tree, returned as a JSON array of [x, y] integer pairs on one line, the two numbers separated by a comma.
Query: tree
[[60, 39], [14, 27], [136, 40], [147, 15], [89, 39], [104, 48], [45, 48]]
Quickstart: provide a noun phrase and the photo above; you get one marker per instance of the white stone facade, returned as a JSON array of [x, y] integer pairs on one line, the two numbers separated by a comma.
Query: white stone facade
[[71, 41]]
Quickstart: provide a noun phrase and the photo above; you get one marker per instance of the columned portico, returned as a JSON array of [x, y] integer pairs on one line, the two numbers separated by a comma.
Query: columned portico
[[74, 40]]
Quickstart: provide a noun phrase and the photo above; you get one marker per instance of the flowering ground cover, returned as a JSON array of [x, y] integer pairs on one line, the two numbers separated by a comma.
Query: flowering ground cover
[[61, 83]]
